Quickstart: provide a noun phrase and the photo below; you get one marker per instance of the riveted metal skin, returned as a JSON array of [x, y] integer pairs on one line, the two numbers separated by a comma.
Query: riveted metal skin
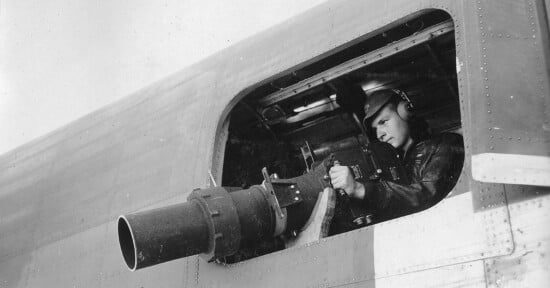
[[500, 129], [151, 149], [487, 196], [527, 265]]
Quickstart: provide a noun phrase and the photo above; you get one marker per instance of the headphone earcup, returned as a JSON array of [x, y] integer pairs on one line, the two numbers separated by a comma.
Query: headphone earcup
[[404, 110]]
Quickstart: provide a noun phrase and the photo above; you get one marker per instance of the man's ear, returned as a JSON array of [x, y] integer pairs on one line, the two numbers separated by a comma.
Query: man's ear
[[404, 110]]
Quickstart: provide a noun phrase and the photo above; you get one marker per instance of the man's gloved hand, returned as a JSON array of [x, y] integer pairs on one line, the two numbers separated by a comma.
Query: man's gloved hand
[[342, 178]]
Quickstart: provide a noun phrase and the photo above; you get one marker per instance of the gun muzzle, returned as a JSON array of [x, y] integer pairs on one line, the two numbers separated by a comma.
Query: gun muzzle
[[216, 223], [159, 235]]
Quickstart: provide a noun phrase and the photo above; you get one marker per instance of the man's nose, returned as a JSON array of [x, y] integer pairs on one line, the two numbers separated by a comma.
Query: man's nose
[[381, 134]]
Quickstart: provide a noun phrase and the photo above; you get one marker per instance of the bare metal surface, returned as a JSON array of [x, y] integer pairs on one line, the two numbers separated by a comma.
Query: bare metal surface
[[458, 234], [529, 264], [60, 194], [487, 196], [514, 25], [469, 274], [511, 168]]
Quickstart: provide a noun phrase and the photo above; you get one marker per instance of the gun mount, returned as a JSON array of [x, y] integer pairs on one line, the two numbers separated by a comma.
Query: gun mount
[[217, 222]]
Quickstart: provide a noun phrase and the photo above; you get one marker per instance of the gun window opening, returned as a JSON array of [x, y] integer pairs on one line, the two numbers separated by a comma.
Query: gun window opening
[[296, 120]]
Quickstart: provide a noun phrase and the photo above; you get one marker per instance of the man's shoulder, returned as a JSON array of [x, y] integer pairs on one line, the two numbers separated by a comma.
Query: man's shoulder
[[448, 138], [437, 140]]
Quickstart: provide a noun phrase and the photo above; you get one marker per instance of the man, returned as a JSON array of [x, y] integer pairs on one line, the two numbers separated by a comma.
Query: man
[[433, 163]]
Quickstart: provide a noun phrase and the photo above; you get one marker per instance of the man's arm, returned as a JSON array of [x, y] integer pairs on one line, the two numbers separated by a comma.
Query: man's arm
[[434, 172]]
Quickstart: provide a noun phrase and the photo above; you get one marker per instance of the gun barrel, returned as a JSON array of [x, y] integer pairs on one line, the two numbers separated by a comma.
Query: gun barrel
[[159, 235], [216, 223], [213, 222]]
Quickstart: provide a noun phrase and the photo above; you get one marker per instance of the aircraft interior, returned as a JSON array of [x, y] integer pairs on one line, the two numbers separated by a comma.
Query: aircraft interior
[[303, 116]]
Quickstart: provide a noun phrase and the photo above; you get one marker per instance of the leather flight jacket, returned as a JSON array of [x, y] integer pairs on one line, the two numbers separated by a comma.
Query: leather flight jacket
[[433, 166]]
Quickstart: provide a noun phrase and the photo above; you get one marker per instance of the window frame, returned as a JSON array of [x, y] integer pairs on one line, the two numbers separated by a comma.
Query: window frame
[[493, 220]]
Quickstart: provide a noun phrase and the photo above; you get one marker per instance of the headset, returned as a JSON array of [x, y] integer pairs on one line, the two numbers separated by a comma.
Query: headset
[[405, 108]]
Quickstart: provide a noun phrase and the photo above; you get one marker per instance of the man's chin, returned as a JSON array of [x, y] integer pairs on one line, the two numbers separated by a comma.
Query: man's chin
[[394, 144]]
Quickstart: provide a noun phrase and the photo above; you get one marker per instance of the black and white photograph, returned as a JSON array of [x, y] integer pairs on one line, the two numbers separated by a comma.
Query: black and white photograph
[[314, 143]]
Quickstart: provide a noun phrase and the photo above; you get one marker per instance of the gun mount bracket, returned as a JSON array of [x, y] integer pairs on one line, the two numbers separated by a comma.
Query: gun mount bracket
[[280, 212], [287, 193]]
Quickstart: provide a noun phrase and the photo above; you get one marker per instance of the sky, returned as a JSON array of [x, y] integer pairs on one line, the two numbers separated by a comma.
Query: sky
[[62, 59]]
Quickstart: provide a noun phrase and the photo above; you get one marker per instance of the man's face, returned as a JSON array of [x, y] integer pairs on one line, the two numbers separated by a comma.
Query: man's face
[[391, 128]]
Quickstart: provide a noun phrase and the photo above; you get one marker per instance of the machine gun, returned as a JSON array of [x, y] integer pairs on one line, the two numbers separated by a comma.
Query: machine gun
[[217, 222]]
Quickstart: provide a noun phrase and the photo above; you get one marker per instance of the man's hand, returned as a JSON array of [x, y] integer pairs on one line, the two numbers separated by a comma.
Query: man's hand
[[342, 178]]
